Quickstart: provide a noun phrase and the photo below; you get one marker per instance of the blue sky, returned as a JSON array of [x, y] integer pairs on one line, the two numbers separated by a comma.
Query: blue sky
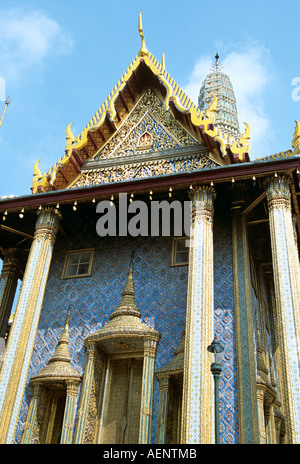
[[60, 59]]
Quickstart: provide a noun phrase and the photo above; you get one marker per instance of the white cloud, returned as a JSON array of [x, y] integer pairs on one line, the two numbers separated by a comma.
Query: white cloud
[[249, 72], [26, 39]]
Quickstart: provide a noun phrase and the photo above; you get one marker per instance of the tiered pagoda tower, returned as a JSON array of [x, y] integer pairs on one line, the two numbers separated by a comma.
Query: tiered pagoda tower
[[219, 84]]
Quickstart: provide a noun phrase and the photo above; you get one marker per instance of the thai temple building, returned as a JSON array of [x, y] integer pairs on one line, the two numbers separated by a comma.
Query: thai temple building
[[152, 236]]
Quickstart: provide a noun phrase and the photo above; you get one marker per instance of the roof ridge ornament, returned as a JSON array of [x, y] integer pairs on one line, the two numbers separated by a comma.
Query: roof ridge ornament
[[216, 67], [296, 139], [143, 51]]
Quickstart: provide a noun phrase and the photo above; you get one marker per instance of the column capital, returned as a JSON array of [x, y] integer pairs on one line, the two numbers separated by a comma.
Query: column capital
[[47, 223], [202, 193], [72, 387], [202, 198], [150, 345], [11, 258], [278, 191]]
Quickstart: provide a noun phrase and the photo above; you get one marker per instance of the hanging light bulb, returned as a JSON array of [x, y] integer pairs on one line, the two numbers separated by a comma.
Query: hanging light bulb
[[75, 206], [40, 207], [170, 192], [212, 184], [94, 200], [21, 215]]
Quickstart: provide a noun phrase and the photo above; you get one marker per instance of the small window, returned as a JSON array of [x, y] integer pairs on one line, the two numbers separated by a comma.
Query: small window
[[180, 255], [78, 263]]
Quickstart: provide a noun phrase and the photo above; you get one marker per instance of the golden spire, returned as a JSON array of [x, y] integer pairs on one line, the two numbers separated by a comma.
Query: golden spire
[[127, 303], [7, 102], [59, 365], [163, 61], [62, 351], [143, 51]]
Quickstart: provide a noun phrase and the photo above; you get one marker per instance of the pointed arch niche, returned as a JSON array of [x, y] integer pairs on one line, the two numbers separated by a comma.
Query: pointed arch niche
[[116, 398]]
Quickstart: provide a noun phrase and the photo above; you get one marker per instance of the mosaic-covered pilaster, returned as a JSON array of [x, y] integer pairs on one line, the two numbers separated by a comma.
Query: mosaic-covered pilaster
[[69, 415], [197, 409], [18, 354], [286, 271], [28, 432], [8, 284], [244, 325], [150, 345], [162, 409], [82, 414]]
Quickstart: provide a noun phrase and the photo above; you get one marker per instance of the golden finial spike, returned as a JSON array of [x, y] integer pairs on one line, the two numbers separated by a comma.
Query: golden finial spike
[[69, 135], [7, 102], [163, 61], [296, 138], [143, 51]]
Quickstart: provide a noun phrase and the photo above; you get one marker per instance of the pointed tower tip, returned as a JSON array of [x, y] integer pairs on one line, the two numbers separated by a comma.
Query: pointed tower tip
[[143, 51], [127, 303]]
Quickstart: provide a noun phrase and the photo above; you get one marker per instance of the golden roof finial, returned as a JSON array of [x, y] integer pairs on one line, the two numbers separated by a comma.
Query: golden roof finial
[[163, 61], [143, 51], [296, 138], [7, 102]]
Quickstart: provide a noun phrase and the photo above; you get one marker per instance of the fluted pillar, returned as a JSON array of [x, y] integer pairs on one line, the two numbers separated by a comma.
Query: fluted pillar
[[286, 271], [85, 395], [150, 345], [69, 415], [20, 345], [197, 408], [8, 284]]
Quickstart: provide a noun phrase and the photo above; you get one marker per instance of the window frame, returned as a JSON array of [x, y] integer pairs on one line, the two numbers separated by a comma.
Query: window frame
[[174, 251], [66, 263]]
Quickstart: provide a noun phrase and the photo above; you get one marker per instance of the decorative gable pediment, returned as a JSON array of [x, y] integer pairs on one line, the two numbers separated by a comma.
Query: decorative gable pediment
[[150, 142], [149, 127]]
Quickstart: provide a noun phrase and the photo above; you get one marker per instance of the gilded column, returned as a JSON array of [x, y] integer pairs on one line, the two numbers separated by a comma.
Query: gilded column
[[20, 344], [286, 272], [69, 415], [8, 284], [150, 345], [197, 407], [85, 395], [244, 324]]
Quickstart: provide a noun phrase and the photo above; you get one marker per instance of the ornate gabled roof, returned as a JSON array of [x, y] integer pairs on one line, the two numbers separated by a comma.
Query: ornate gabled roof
[[144, 72]]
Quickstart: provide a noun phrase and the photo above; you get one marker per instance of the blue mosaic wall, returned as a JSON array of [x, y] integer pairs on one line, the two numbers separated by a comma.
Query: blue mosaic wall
[[160, 294], [225, 329]]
